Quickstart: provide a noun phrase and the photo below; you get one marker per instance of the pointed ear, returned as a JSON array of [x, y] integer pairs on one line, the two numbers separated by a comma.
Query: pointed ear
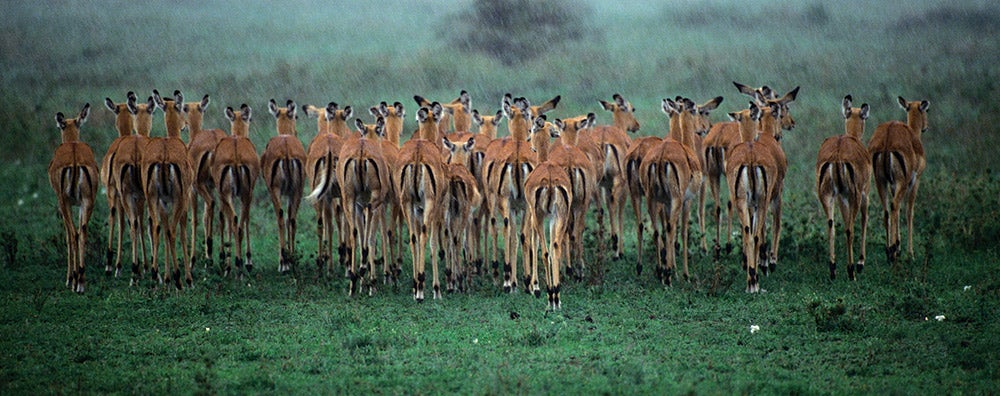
[[607, 106], [668, 107], [379, 122], [290, 105], [360, 125], [230, 115], [151, 105], [539, 123], [83, 115], [745, 89], [902, 102], [465, 100], [559, 124], [712, 104], [470, 144], [111, 105], [478, 119], [924, 105], [448, 144], [591, 121], [158, 100], [422, 114], [383, 109], [755, 112], [131, 106], [332, 107], [421, 102], [204, 103], [348, 112], [619, 100], [507, 99], [375, 112], [497, 118], [60, 120], [864, 111], [178, 101], [790, 96], [775, 110], [436, 110], [272, 107], [400, 111], [555, 131], [847, 106], [246, 112], [733, 116], [506, 108]]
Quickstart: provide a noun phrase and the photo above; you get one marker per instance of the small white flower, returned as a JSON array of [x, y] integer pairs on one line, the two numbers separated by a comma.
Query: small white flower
[[939, 318], [966, 288], [754, 329], [20, 202], [207, 329], [475, 341], [35, 195]]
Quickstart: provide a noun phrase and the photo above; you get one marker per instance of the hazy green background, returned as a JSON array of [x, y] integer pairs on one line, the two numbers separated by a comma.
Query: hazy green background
[[299, 334]]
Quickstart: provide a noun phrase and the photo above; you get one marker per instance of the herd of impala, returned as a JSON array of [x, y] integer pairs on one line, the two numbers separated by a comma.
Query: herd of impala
[[456, 190]]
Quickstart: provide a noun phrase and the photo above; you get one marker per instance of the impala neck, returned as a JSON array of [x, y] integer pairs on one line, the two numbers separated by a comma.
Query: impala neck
[[540, 141], [393, 128], [684, 130], [916, 120], [195, 119], [174, 120], [71, 133], [770, 125], [240, 128], [488, 129], [338, 126], [428, 130], [854, 126], [322, 125], [519, 125], [286, 125], [143, 120], [748, 127], [124, 122]]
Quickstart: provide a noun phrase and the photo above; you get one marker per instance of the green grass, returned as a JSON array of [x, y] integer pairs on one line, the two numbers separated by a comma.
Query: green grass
[[282, 334]]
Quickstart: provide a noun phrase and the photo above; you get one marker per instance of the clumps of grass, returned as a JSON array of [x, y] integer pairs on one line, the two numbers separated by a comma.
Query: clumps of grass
[[834, 316], [982, 20], [8, 248], [720, 13], [515, 31]]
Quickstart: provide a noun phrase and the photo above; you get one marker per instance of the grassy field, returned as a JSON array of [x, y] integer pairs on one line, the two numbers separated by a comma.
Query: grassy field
[[300, 334]]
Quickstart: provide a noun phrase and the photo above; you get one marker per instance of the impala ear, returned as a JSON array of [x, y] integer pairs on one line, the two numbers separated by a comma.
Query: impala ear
[[272, 107], [383, 109], [157, 99], [733, 116], [422, 114], [375, 112], [348, 112], [775, 110], [847, 106], [60, 120], [421, 102], [83, 115], [151, 105], [864, 111], [668, 107], [498, 118], [559, 124], [744, 89], [755, 112], [607, 106], [246, 112], [554, 131], [436, 110], [507, 99], [448, 144], [360, 125], [400, 111], [111, 105], [924, 105], [131, 106], [331, 107], [539, 122], [380, 122], [470, 144], [506, 108], [178, 101], [465, 100], [290, 105], [204, 103], [478, 119], [619, 100], [590, 121], [790, 96], [712, 104], [902, 102], [230, 115]]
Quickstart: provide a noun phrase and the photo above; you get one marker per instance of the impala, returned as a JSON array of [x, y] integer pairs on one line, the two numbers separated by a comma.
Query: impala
[[281, 164], [321, 169], [582, 175], [201, 147], [124, 124], [548, 193], [420, 180], [167, 180], [73, 174], [614, 143], [461, 200], [126, 171], [843, 175], [364, 179], [235, 168], [898, 160], [392, 249]]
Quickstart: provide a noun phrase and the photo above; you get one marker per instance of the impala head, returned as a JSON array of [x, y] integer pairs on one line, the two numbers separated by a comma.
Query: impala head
[[394, 116], [143, 113], [284, 116], [427, 121], [239, 120], [684, 123], [173, 114], [337, 119], [124, 120], [70, 127], [916, 113], [770, 119], [519, 118], [765, 95], [703, 121], [322, 125], [372, 131], [488, 124], [748, 119], [535, 110], [622, 113], [460, 109], [194, 112], [570, 127], [459, 151], [854, 118]]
